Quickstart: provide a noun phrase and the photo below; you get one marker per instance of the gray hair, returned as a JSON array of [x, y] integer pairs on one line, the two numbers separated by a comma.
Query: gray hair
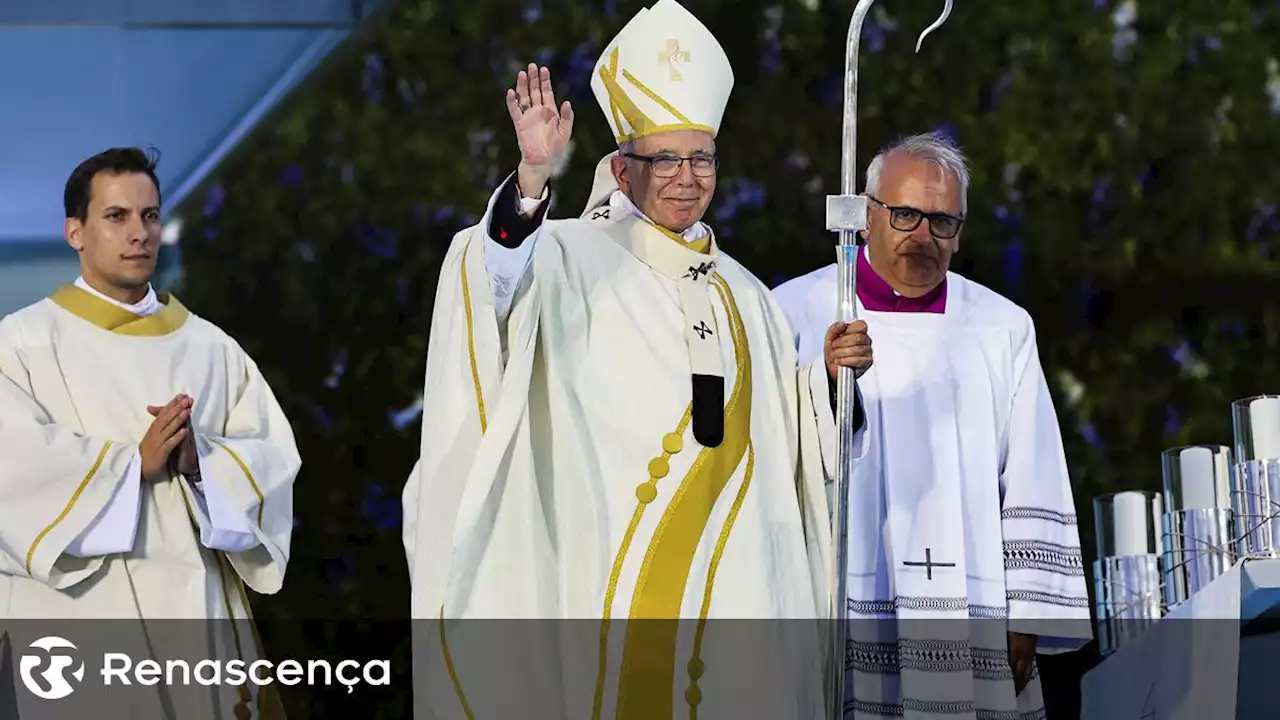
[[933, 147]]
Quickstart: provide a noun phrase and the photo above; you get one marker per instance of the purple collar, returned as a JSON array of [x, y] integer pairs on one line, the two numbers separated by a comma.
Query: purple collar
[[876, 295]]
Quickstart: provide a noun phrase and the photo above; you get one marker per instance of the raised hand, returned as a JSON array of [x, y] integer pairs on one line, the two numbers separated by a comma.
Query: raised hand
[[167, 431], [542, 130]]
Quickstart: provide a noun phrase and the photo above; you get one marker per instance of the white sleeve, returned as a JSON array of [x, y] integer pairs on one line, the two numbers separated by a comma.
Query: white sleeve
[[828, 433], [221, 527], [507, 266], [116, 527]]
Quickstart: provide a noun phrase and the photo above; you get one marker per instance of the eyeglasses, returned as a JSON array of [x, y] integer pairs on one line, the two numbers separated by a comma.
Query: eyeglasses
[[906, 219], [668, 166]]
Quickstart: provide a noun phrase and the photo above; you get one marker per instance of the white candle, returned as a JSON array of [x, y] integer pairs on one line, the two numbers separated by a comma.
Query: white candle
[[1197, 479], [1264, 419], [1131, 520]]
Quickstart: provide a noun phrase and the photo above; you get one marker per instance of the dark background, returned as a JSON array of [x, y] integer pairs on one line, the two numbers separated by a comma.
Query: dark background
[[1124, 192]]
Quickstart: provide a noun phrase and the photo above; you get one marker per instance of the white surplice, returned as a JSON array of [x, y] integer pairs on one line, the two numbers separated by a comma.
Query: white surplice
[[960, 465], [88, 546], [560, 484]]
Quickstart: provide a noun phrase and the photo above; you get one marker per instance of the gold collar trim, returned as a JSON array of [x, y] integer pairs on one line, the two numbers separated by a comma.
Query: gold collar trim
[[701, 245], [113, 318]]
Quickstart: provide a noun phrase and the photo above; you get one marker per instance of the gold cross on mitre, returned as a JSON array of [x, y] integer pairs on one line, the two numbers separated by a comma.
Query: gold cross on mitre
[[673, 55]]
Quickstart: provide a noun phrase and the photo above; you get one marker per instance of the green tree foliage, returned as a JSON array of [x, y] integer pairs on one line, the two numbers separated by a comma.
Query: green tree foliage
[[1124, 192]]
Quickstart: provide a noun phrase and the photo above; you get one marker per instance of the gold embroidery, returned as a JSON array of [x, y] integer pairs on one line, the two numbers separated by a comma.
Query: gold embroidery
[[645, 494], [640, 124], [649, 650], [673, 55]]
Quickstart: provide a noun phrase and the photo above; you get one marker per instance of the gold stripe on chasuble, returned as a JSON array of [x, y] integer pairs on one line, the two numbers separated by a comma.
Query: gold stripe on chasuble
[[471, 340], [113, 318], [649, 649], [475, 379]]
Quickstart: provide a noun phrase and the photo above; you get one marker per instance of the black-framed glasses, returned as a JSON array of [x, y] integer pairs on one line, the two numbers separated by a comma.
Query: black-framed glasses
[[906, 219], [668, 166]]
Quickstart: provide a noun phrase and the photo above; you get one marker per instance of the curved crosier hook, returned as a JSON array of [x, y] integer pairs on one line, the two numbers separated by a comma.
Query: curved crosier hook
[[946, 13]]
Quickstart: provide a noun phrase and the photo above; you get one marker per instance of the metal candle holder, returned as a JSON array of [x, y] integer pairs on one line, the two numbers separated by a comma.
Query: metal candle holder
[[1198, 537], [1255, 492], [1127, 572]]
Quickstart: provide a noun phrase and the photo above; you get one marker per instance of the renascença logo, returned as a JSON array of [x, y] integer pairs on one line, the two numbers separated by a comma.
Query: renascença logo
[[120, 669], [55, 685]]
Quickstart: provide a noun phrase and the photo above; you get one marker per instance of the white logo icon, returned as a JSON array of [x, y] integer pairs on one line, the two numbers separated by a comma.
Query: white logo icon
[[54, 685]]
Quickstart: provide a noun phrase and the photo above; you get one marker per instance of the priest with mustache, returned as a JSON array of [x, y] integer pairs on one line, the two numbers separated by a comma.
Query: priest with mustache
[[964, 551]]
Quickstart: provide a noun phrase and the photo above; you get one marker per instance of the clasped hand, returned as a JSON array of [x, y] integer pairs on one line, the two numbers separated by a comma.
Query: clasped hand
[[170, 431]]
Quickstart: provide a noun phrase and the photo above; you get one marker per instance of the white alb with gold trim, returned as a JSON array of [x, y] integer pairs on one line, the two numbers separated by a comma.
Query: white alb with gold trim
[[76, 376]]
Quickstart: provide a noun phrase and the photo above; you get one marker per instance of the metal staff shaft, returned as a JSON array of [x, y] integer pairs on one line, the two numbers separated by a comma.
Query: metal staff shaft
[[847, 215]]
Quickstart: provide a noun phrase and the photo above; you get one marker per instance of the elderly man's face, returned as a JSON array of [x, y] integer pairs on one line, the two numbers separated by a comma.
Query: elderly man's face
[[673, 193], [913, 261]]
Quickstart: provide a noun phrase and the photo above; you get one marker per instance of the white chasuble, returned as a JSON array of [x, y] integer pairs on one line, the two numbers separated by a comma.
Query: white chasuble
[[575, 551], [962, 525], [155, 569]]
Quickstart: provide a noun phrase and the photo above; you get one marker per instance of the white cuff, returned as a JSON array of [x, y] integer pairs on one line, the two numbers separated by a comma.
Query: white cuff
[[221, 527], [529, 206], [116, 527]]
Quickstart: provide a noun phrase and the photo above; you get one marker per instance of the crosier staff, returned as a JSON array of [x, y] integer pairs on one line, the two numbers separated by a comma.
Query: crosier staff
[[847, 216]]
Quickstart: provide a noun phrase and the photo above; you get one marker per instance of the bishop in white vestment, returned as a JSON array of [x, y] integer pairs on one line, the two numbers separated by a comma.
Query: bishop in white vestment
[[90, 547], [615, 434], [962, 525]]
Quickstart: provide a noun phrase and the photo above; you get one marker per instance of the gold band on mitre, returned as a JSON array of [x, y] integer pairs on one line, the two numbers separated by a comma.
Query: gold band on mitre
[[663, 71]]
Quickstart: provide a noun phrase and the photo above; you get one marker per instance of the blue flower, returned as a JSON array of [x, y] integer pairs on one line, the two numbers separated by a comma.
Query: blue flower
[[406, 91], [1090, 435], [337, 368], [1181, 353], [1172, 420], [291, 176], [213, 201], [532, 11], [873, 38], [1015, 255], [381, 241], [381, 507], [740, 193], [371, 77], [321, 417], [1009, 220]]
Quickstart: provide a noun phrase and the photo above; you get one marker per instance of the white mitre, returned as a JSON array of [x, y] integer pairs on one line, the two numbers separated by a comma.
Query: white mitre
[[663, 71]]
